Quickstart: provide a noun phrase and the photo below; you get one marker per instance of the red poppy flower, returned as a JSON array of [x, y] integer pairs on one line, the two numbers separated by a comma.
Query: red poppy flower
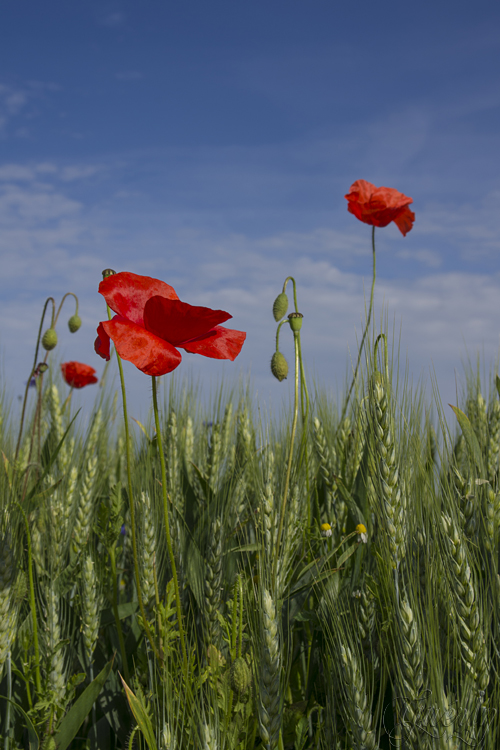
[[151, 322], [78, 375], [380, 206]]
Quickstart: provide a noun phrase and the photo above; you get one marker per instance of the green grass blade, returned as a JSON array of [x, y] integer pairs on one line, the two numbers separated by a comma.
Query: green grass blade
[[141, 716], [470, 439], [73, 720]]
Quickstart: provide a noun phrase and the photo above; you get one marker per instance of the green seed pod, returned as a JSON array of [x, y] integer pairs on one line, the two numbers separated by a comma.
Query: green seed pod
[[280, 306], [240, 676], [74, 323], [108, 272], [295, 320], [49, 339], [279, 366], [41, 368]]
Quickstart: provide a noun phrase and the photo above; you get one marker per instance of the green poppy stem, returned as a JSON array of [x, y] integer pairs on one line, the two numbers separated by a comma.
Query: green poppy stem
[[364, 333], [167, 524], [132, 506], [33, 369], [290, 458]]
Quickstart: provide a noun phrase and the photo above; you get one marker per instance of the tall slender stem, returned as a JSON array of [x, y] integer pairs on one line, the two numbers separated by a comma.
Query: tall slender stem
[[23, 412], [132, 507], [167, 524], [290, 457], [364, 333]]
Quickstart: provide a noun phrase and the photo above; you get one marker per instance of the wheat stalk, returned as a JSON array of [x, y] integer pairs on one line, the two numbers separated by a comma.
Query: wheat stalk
[[269, 674], [357, 704], [471, 638], [8, 611], [90, 607]]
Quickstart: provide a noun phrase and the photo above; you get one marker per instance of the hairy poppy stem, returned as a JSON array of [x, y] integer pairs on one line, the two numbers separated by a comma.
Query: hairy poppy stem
[[167, 524], [290, 457], [132, 508], [23, 412], [364, 333]]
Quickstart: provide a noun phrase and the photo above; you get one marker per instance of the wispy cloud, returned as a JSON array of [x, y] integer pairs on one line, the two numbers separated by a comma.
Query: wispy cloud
[[19, 103]]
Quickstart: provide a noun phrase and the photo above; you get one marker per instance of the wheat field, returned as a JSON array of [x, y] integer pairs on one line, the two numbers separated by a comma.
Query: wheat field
[[362, 613]]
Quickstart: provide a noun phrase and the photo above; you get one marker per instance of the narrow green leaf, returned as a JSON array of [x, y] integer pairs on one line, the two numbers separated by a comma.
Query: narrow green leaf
[[32, 735], [141, 716], [497, 383], [347, 553], [250, 547], [356, 513], [75, 717], [470, 438]]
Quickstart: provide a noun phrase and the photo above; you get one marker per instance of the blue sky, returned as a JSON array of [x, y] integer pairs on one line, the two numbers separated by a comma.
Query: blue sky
[[210, 144]]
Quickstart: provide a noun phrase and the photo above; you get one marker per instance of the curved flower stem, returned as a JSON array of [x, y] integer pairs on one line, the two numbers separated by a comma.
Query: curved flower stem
[[68, 294], [278, 334], [290, 458], [290, 278], [364, 333], [167, 525], [23, 412], [38, 679], [132, 507], [304, 397]]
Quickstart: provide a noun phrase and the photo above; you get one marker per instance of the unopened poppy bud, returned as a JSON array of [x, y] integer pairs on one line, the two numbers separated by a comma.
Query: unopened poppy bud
[[40, 369], [280, 306], [108, 272], [279, 366], [49, 339], [295, 320], [74, 323]]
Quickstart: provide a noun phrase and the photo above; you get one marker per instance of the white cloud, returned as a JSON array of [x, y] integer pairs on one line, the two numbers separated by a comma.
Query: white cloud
[[51, 242], [71, 173], [18, 102]]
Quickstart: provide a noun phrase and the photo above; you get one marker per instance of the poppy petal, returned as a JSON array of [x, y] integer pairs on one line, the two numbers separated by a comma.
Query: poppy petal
[[77, 374], [360, 191], [221, 343], [405, 220], [178, 322], [101, 344], [127, 293], [379, 206], [149, 353]]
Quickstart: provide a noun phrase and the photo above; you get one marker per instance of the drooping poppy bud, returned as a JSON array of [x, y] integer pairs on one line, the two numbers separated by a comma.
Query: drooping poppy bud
[[295, 320], [280, 307], [74, 323], [279, 366], [40, 369], [49, 339]]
